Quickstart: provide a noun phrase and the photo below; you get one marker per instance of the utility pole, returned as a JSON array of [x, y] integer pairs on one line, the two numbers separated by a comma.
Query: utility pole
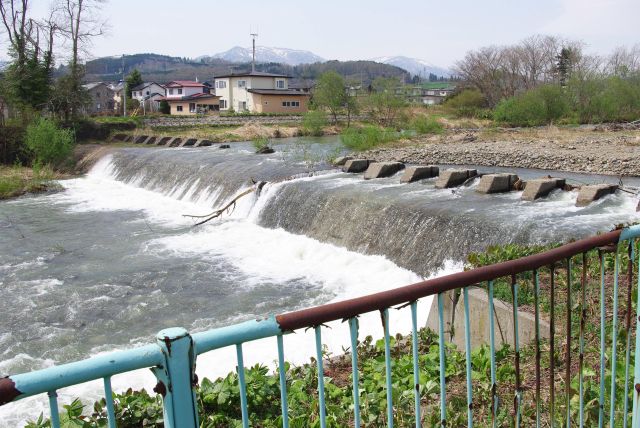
[[124, 91], [253, 63]]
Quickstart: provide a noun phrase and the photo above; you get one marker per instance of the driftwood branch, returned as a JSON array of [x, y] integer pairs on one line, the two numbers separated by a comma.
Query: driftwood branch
[[229, 207]]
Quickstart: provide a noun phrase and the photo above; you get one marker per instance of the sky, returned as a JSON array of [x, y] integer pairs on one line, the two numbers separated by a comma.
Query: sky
[[439, 32]]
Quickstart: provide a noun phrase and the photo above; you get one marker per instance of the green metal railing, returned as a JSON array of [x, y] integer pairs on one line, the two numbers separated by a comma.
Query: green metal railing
[[172, 358]]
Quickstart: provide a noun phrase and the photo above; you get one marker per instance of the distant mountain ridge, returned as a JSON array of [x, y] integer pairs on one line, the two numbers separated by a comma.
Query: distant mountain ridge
[[267, 54], [415, 66]]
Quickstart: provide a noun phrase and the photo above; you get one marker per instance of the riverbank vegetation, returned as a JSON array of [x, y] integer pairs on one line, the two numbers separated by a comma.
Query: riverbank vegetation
[[219, 400]]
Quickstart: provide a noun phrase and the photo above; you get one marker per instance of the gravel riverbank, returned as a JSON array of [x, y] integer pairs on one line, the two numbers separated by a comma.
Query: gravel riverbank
[[576, 151]]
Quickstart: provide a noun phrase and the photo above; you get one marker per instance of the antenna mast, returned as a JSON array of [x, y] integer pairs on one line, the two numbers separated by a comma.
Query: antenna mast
[[253, 62]]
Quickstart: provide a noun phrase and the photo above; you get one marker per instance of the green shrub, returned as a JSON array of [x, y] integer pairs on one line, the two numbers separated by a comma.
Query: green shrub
[[165, 108], [367, 137], [313, 122], [426, 125], [467, 103], [540, 106], [48, 143], [613, 99], [260, 143]]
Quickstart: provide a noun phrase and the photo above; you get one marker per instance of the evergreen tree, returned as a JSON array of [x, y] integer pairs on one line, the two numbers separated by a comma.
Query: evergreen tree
[[133, 79]]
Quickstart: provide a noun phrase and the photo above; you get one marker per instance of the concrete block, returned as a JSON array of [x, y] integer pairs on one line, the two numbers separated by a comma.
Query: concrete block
[[496, 183], [151, 140], [139, 139], [541, 187], [419, 172], [119, 137], [203, 143], [382, 169], [339, 161], [163, 141], [187, 142], [454, 177], [480, 323], [591, 193], [356, 165], [175, 142]]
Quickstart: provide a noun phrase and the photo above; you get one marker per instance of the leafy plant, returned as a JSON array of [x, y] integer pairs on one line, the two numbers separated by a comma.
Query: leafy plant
[[48, 143]]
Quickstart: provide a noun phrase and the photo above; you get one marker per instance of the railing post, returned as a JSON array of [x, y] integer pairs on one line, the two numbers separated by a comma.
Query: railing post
[[176, 378]]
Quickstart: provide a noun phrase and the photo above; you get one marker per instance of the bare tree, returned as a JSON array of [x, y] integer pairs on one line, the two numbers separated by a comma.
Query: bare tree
[[17, 26], [623, 60]]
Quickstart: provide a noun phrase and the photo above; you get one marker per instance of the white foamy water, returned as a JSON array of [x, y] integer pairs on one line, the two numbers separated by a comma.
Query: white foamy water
[[260, 254]]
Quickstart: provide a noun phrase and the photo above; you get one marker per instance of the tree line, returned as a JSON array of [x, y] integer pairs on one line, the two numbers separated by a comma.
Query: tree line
[[27, 84], [545, 78]]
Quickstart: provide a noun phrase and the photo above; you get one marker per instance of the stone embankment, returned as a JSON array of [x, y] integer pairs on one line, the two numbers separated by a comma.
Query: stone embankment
[[613, 155]]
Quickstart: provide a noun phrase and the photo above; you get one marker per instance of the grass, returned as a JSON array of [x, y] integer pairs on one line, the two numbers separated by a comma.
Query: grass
[[17, 180]]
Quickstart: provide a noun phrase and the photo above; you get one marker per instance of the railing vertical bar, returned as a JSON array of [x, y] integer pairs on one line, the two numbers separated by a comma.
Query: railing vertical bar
[[353, 327], [283, 383], [443, 386], [416, 367], [108, 397], [243, 387], [536, 299], [583, 320], [492, 346], [552, 357], [322, 410], [567, 374], [387, 364], [614, 340], [628, 328], [635, 421], [53, 407], [518, 396], [467, 348], [603, 340]]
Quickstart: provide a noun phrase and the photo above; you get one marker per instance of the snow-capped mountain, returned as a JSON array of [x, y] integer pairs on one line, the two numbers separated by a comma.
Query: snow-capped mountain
[[268, 54], [415, 66]]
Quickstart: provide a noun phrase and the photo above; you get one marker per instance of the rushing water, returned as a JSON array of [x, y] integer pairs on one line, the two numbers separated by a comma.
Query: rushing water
[[110, 260]]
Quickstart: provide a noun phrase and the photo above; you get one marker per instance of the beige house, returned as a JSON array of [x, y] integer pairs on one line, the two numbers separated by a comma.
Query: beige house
[[259, 92]]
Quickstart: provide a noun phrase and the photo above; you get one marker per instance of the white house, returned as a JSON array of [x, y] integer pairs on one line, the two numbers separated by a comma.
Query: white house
[[259, 92], [149, 94]]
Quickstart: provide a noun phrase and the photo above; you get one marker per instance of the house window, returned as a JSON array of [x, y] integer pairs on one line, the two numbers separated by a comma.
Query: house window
[[192, 107], [280, 84], [180, 91], [242, 83], [221, 84], [295, 103], [223, 103], [147, 92], [98, 106], [286, 104], [170, 91], [242, 105], [178, 108]]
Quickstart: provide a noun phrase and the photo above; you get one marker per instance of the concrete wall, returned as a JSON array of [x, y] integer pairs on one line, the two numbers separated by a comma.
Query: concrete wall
[[480, 322]]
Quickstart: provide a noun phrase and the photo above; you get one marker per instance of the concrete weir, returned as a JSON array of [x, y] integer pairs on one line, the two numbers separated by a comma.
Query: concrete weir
[[541, 187], [382, 169], [592, 193], [496, 183], [479, 321], [340, 161], [356, 165], [454, 177], [419, 172]]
